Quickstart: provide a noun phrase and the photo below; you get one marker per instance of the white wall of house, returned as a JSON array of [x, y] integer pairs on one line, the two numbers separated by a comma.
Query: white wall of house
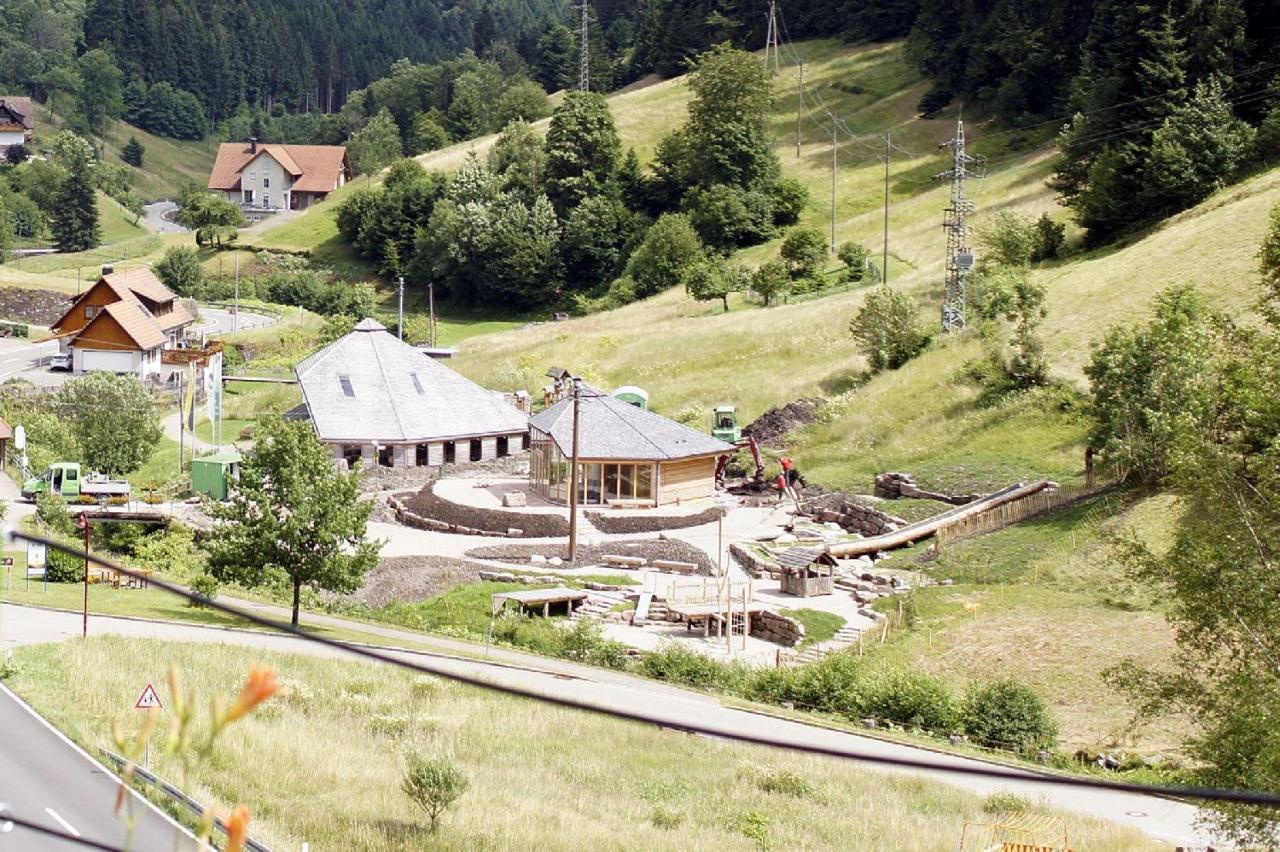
[[12, 137], [115, 361], [264, 182]]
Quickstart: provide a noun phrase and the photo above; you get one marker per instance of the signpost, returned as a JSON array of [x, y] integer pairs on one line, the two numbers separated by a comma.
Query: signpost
[[148, 700], [37, 557], [83, 523]]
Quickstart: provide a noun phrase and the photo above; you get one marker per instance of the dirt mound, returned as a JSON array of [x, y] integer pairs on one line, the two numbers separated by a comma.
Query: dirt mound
[[414, 578], [38, 307], [676, 551], [771, 428]]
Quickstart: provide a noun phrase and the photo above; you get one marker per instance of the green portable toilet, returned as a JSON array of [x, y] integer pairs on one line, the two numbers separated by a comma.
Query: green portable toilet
[[632, 395], [213, 474]]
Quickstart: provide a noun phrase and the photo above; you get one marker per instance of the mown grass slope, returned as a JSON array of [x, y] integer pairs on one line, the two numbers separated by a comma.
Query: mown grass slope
[[322, 763]]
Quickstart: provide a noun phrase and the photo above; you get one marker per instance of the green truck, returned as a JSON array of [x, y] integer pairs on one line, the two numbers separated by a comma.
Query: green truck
[[65, 479]]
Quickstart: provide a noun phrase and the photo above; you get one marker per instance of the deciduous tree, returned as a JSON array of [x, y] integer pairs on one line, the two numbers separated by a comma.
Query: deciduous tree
[[293, 518], [116, 420]]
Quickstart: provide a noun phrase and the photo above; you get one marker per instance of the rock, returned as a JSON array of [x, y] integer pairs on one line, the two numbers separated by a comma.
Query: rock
[[786, 538], [868, 723], [555, 560], [514, 500], [538, 559], [514, 532], [947, 582], [832, 525]]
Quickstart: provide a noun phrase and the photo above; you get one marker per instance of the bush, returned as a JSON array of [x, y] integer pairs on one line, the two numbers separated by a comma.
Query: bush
[[854, 257], [804, 251], [1009, 714], [205, 587], [726, 217], [785, 783], [677, 664], [1050, 237], [888, 329], [771, 281], [789, 198], [911, 698], [669, 249], [433, 784], [666, 818], [180, 271], [64, 567]]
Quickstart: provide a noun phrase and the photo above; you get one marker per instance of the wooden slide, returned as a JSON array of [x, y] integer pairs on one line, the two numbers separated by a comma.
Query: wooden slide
[[929, 526]]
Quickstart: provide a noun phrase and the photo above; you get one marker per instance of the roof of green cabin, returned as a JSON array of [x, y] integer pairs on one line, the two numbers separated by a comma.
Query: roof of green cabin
[[222, 457]]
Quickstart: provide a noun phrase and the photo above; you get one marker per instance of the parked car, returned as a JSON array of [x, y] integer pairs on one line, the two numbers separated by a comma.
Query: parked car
[[61, 361]]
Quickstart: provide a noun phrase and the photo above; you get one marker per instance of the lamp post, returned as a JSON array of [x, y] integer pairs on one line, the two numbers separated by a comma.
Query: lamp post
[[573, 475]]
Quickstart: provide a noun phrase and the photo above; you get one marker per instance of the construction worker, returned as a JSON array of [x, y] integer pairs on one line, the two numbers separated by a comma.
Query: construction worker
[[792, 475]]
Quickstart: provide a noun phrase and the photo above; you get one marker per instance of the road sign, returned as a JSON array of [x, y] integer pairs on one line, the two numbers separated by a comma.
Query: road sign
[[36, 554], [20, 437], [7, 561], [148, 699]]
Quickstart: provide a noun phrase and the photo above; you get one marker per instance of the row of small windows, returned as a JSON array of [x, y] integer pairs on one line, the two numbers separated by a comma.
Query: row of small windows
[[348, 390]]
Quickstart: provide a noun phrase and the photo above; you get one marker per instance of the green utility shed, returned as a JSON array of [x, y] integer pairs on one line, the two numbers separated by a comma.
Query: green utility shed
[[213, 474]]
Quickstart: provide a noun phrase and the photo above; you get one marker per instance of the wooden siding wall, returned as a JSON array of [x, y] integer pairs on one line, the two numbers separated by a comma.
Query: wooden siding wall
[[689, 479], [100, 295], [106, 334]]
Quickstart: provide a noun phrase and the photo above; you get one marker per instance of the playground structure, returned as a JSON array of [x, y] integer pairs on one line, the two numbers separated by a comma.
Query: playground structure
[[1016, 832]]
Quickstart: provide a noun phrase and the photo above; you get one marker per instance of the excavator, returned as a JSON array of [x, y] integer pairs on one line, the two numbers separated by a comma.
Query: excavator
[[724, 425]]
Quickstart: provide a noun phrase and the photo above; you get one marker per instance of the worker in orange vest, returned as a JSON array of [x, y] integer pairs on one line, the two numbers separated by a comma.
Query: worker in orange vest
[[792, 475]]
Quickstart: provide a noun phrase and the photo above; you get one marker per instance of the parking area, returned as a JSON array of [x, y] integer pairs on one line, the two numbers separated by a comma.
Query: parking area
[[30, 361]]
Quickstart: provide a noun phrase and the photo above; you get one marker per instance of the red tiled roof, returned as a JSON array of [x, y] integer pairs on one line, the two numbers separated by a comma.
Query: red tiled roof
[[315, 167], [21, 106], [136, 322]]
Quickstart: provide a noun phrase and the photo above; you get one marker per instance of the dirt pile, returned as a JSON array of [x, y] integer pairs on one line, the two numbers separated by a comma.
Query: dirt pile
[[38, 307], [651, 549], [771, 428], [632, 524], [414, 578]]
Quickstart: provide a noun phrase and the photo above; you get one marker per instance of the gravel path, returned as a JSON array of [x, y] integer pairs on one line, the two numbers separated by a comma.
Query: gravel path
[[415, 578]]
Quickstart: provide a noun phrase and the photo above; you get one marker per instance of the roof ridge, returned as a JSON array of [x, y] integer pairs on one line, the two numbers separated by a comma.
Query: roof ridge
[[377, 356]]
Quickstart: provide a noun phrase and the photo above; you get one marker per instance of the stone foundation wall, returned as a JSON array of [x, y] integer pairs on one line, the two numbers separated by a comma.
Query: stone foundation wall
[[893, 486], [425, 510], [861, 519], [630, 524], [780, 629]]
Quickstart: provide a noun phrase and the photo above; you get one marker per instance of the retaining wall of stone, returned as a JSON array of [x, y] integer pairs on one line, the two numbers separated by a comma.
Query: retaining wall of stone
[[426, 510], [773, 627], [616, 524]]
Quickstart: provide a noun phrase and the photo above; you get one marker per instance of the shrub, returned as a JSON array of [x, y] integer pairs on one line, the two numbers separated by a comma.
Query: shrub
[[888, 329], [205, 587], [1009, 714], [180, 271], [911, 698], [785, 783], [64, 567], [789, 197], [1002, 802], [433, 784], [771, 281], [854, 257], [669, 249], [666, 818], [804, 250], [1050, 237], [675, 663]]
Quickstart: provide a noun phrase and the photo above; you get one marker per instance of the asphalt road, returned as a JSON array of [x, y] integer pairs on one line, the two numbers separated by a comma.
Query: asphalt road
[[216, 321], [159, 216], [18, 356], [1164, 819], [47, 779]]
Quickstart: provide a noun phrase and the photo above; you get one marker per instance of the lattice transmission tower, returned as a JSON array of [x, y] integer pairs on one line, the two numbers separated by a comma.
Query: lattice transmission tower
[[584, 53], [959, 232]]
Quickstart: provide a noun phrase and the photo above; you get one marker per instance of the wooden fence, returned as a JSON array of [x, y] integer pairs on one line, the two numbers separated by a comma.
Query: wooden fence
[[1018, 510]]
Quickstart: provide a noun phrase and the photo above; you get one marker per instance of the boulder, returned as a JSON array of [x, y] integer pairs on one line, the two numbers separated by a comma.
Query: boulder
[[514, 500]]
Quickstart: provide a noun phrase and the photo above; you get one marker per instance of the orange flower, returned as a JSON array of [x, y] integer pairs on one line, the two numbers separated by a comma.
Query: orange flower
[[262, 685], [237, 828]]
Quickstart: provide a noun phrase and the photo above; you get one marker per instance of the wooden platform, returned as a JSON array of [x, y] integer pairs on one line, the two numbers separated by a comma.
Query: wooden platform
[[706, 613], [540, 597]]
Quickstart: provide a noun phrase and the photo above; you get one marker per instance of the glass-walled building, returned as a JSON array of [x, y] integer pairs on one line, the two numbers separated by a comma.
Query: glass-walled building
[[626, 455]]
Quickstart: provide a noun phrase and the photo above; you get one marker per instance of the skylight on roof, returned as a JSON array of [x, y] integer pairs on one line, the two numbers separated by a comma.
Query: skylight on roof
[[417, 385], [347, 388]]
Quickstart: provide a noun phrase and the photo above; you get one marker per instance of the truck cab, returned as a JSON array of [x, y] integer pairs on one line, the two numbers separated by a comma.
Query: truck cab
[[62, 478], [724, 424]]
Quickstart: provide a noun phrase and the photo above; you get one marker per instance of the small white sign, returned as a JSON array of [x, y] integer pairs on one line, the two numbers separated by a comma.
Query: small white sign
[[148, 699], [37, 555], [20, 437]]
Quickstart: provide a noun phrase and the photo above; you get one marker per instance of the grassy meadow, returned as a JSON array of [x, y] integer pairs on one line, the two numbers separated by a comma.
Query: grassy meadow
[[321, 763]]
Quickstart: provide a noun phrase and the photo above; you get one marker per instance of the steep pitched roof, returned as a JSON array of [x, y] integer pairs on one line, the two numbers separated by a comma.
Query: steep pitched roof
[[609, 428], [132, 318], [142, 282], [369, 386], [21, 107], [315, 168]]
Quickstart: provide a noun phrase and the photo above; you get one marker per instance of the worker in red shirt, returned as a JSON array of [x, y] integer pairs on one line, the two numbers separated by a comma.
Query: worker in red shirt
[[792, 475]]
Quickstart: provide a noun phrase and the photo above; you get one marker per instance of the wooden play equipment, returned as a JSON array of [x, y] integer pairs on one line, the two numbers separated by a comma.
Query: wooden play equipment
[[1016, 832]]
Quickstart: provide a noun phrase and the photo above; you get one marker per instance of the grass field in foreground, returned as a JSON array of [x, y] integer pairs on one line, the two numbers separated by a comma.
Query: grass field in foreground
[[321, 764]]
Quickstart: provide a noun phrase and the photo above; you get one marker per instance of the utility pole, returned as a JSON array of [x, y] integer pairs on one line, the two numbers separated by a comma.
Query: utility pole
[[573, 474], [235, 313], [799, 108], [959, 234], [584, 54], [834, 148], [431, 307], [83, 523], [888, 152], [771, 38], [400, 293]]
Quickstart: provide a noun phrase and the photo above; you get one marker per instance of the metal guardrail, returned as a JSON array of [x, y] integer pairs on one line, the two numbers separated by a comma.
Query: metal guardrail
[[249, 308], [178, 796]]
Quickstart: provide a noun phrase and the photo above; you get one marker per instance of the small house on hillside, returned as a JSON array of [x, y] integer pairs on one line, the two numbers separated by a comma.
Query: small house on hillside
[[371, 396], [17, 122], [626, 454], [123, 324], [271, 178]]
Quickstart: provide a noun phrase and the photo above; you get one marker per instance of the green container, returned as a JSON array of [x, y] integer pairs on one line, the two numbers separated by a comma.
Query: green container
[[724, 424], [213, 474]]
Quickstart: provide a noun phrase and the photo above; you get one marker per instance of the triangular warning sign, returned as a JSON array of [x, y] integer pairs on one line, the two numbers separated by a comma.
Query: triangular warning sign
[[148, 699]]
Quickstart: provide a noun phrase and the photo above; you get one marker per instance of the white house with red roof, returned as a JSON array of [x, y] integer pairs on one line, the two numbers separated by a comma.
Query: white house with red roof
[[271, 178]]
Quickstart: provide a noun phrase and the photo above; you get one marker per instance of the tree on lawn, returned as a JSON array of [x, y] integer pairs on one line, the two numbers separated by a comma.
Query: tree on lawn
[[115, 419], [293, 518], [133, 152], [376, 145], [213, 219], [75, 204], [714, 279]]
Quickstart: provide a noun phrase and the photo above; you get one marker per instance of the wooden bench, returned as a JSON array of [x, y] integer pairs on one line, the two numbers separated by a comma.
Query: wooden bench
[[675, 567], [616, 561]]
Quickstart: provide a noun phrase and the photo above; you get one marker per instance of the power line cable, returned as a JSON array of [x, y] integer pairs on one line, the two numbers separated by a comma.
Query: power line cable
[[1209, 794]]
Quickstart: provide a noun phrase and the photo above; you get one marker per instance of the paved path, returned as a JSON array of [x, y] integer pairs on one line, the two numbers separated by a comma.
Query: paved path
[[218, 321], [172, 426], [19, 356], [1163, 819], [49, 780], [159, 217]]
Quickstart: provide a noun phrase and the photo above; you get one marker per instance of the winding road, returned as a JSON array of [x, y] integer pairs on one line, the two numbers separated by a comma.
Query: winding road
[[1164, 819]]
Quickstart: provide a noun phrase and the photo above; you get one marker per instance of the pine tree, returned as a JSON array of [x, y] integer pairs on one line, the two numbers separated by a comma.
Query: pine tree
[[132, 152], [75, 210]]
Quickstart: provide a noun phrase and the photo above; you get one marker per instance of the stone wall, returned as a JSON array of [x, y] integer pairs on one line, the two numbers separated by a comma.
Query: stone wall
[[857, 517], [893, 486], [426, 510], [630, 524], [780, 629]]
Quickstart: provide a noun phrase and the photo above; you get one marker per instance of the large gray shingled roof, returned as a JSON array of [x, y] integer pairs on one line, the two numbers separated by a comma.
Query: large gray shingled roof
[[369, 386], [609, 428]]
